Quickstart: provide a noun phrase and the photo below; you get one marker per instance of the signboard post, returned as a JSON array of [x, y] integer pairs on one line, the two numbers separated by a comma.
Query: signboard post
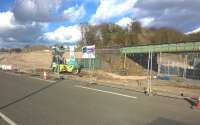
[[89, 53], [150, 65]]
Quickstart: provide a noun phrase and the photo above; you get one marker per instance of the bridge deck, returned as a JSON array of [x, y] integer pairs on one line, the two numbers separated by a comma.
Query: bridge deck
[[178, 47]]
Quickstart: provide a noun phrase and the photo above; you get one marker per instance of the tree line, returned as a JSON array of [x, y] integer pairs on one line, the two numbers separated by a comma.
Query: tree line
[[108, 35]]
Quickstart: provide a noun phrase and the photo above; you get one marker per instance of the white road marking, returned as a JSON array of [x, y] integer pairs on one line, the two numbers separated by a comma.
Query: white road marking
[[113, 93], [51, 81], [9, 121]]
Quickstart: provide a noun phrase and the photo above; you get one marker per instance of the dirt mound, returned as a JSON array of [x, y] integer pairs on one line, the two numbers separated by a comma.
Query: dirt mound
[[114, 63], [27, 61]]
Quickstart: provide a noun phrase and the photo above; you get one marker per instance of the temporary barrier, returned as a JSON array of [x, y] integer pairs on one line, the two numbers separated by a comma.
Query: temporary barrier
[[6, 67]]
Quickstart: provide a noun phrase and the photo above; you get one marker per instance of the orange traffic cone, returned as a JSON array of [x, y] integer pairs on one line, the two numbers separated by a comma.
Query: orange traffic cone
[[198, 103], [45, 76]]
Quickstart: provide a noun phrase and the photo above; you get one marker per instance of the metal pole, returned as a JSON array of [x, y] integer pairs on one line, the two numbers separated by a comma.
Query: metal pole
[[178, 68], [168, 68], [90, 64], [148, 75], [159, 65], [84, 63], [173, 65], [58, 70], [185, 67], [90, 74], [93, 64], [125, 61], [193, 70], [151, 73]]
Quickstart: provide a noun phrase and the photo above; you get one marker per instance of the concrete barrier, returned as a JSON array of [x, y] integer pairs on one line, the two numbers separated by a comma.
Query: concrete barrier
[[6, 67]]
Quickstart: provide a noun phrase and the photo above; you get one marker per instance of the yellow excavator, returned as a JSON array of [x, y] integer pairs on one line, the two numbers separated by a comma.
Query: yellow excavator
[[60, 65]]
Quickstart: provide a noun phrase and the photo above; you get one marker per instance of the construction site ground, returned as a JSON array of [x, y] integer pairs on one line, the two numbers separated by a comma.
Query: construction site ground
[[35, 63], [176, 87]]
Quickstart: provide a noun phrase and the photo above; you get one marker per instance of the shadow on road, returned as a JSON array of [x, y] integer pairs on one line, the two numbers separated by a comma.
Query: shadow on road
[[191, 101], [29, 95], [164, 121]]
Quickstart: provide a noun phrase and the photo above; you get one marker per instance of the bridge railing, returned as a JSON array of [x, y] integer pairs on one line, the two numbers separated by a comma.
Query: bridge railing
[[179, 47]]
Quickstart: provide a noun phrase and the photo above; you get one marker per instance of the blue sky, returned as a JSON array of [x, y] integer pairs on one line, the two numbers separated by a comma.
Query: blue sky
[[6, 5], [25, 22]]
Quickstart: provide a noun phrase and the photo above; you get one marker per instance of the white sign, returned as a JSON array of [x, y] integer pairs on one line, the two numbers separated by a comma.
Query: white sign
[[88, 52], [71, 51]]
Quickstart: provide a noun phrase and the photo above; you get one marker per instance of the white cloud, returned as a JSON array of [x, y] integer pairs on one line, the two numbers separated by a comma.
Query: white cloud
[[36, 10], [74, 13], [64, 34], [112, 8], [7, 19], [179, 14], [194, 31], [46, 11], [124, 22], [13, 33], [28, 20], [11, 39], [146, 21]]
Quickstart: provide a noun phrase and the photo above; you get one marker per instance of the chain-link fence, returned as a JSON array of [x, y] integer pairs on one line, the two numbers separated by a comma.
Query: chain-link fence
[[186, 65], [110, 60]]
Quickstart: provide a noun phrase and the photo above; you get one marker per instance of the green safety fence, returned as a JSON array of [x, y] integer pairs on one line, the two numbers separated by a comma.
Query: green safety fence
[[96, 63]]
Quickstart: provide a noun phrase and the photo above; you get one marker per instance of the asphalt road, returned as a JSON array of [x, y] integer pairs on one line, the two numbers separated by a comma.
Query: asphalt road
[[28, 101]]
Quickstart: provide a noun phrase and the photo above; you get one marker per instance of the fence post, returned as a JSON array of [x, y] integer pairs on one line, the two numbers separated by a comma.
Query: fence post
[[185, 67], [159, 65], [150, 90], [168, 72], [124, 61], [150, 64]]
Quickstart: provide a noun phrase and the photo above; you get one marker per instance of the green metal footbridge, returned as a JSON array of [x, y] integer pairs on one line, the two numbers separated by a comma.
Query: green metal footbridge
[[178, 47], [158, 49]]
